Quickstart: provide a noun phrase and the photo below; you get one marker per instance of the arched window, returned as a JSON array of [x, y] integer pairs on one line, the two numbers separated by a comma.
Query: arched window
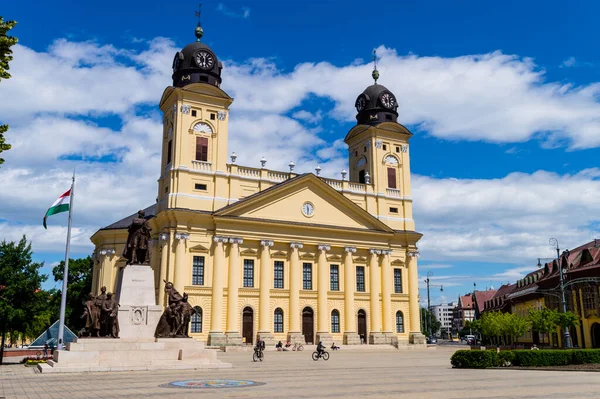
[[391, 160], [399, 322], [335, 321], [278, 320], [197, 320], [362, 161]]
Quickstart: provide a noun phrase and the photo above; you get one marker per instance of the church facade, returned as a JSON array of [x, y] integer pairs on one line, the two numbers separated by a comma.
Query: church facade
[[277, 254]]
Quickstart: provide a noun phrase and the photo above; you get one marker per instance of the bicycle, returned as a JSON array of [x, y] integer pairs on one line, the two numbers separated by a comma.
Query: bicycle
[[298, 347], [324, 355], [258, 355]]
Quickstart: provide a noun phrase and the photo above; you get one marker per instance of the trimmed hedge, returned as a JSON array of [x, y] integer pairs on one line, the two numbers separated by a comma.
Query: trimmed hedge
[[476, 359]]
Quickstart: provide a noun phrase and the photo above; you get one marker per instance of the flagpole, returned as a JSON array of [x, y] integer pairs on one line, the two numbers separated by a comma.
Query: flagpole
[[63, 297]]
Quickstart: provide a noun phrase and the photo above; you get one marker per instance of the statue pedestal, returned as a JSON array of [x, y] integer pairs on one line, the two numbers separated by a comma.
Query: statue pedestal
[[137, 348], [138, 311]]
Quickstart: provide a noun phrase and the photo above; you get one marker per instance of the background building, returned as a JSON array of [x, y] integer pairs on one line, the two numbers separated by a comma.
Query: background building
[[272, 253], [463, 312], [444, 314]]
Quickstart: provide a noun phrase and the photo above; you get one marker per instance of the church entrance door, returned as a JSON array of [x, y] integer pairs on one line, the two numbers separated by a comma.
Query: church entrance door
[[247, 325], [362, 326], [308, 325]]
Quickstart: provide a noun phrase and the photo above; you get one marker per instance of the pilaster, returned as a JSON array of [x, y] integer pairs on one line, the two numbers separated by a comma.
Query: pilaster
[[386, 292], [415, 336], [163, 240], [106, 272], [180, 276]]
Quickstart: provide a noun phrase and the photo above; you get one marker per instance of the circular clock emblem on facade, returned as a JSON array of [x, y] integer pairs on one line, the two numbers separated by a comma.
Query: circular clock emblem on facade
[[308, 209]]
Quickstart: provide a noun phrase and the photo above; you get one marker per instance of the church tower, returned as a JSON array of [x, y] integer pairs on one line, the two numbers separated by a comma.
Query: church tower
[[195, 131], [378, 154]]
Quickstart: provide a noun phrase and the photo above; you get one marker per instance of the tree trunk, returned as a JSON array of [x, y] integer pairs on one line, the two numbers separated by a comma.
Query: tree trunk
[[2, 348]]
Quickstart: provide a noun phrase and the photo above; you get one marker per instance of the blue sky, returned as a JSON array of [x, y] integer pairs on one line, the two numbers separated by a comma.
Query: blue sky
[[503, 98]]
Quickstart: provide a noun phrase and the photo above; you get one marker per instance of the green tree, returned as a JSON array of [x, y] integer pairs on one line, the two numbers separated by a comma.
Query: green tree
[[20, 293], [428, 317], [513, 326], [543, 320], [6, 42], [80, 285]]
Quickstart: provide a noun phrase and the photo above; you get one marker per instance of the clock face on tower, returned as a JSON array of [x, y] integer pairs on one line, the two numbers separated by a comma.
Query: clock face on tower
[[360, 103], [204, 59], [308, 209], [388, 100]]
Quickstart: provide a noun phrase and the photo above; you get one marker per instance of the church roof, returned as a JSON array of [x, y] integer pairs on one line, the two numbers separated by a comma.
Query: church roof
[[125, 222]]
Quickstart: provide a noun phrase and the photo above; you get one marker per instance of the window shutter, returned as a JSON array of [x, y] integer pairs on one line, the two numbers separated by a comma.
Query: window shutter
[[391, 172], [201, 149]]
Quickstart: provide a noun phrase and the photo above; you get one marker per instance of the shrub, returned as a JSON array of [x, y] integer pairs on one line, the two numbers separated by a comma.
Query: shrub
[[585, 356], [474, 359], [506, 358], [541, 358]]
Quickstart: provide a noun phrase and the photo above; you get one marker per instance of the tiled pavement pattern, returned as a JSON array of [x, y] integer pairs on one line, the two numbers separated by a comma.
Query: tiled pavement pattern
[[347, 374]]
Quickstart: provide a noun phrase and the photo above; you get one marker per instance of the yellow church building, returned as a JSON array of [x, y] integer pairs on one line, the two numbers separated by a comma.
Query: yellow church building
[[277, 254]]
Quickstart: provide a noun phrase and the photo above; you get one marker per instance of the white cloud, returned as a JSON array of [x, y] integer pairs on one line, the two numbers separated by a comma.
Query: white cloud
[[243, 13], [56, 112]]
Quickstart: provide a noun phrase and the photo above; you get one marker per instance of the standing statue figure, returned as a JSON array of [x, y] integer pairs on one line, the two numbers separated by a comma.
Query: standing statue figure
[[136, 251], [186, 311], [91, 316], [102, 316], [110, 308]]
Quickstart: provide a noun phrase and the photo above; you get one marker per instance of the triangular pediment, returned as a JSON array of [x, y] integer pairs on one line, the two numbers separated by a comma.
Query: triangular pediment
[[360, 259], [397, 262], [307, 256], [249, 251], [334, 257], [279, 254], [199, 248], [287, 201]]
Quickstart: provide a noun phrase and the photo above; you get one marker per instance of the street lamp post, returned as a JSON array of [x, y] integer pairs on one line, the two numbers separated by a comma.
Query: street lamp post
[[428, 315], [554, 243]]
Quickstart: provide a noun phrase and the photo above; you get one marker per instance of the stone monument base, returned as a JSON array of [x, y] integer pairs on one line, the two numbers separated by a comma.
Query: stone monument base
[[216, 339], [417, 339], [233, 338], [294, 337], [351, 338], [324, 337], [109, 354], [268, 337]]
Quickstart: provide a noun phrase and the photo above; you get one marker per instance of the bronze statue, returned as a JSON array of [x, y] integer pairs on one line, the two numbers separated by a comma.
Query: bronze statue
[[176, 317], [99, 302], [92, 317], [110, 311], [136, 251]]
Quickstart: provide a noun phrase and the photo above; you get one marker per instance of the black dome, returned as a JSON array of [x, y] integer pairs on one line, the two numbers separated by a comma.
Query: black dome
[[375, 105], [196, 63]]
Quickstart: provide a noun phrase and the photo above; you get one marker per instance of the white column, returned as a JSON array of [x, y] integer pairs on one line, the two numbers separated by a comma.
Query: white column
[[264, 295], [180, 277], [216, 336], [350, 334], [233, 314], [387, 280], [374, 288], [294, 294]]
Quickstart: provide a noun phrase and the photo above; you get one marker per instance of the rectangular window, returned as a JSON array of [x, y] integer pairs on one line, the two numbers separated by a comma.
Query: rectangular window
[[278, 320], [249, 273], [384, 147], [360, 279], [198, 186], [398, 281], [212, 117], [391, 173], [307, 276], [198, 270], [278, 281], [201, 149], [169, 151], [334, 276], [361, 177], [393, 210], [193, 112], [397, 149]]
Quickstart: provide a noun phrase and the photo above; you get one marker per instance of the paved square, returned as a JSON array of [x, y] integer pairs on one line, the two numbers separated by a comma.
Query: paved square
[[347, 374]]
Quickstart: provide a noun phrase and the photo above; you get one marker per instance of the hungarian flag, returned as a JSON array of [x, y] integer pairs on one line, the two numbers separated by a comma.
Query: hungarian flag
[[60, 205]]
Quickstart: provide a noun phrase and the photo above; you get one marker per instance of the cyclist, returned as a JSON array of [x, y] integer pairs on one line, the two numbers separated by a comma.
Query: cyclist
[[320, 348], [260, 346]]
